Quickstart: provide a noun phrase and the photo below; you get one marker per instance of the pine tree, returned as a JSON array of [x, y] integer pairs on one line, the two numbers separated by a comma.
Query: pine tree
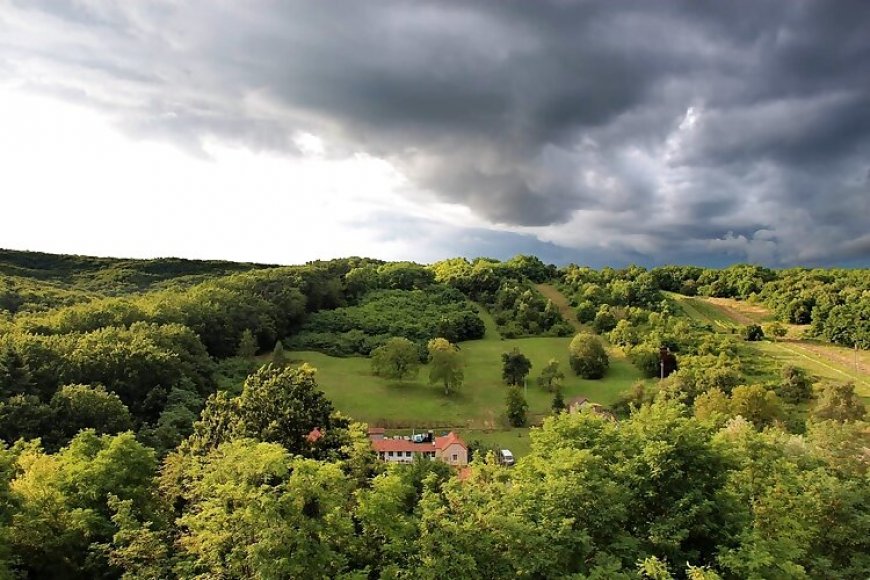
[[247, 345], [516, 407], [14, 374], [558, 401], [279, 359]]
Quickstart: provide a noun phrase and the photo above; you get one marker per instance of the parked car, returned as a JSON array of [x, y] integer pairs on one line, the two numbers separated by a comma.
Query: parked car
[[505, 457], [427, 437]]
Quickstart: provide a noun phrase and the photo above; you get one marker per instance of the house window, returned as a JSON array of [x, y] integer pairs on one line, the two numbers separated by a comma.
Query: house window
[[455, 457], [390, 453], [408, 454]]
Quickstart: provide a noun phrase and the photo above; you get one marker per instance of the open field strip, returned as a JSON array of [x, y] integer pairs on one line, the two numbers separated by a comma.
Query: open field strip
[[701, 311], [794, 353], [741, 311], [823, 360], [561, 302]]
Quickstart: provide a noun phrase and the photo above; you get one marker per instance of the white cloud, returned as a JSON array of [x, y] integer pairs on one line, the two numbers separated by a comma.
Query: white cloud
[[73, 183]]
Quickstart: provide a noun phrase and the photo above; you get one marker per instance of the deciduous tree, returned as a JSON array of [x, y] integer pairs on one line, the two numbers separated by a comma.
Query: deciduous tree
[[516, 407], [794, 385], [398, 358], [280, 405], [776, 330], [752, 332], [77, 407], [755, 404], [551, 376], [839, 402], [515, 367], [445, 365], [587, 356]]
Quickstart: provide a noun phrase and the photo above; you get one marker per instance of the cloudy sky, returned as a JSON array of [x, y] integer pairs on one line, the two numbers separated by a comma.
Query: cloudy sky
[[593, 132]]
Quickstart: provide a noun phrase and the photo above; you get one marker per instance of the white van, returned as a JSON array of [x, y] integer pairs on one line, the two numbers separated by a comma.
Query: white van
[[505, 457]]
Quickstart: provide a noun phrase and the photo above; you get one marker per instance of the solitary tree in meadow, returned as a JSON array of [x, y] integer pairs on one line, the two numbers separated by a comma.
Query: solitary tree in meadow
[[398, 359], [551, 376], [776, 330], [445, 364], [516, 407], [515, 367], [588, 357]]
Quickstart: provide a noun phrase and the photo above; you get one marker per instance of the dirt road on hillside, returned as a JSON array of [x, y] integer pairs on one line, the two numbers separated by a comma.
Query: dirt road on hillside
[[559, 300]]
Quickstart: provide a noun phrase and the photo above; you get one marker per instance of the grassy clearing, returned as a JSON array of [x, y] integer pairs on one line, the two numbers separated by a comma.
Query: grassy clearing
[[492, 332], [702, 311], [825, 361], [741, 311], [480, 403], [799, 355]]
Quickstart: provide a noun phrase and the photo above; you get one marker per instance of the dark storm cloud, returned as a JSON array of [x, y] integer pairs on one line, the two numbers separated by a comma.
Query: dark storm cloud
[[650, 129]]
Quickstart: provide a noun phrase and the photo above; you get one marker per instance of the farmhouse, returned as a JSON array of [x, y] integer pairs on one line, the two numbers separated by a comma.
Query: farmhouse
[[450, 448], [579, 404]]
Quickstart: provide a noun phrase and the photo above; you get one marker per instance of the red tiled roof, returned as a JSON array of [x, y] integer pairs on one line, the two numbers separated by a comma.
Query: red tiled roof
[[448, 440], [577, 401], [384, 445]]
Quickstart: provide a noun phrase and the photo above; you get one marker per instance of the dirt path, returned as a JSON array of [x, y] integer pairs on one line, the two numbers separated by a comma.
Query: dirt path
[[558, 299], [841, 357]]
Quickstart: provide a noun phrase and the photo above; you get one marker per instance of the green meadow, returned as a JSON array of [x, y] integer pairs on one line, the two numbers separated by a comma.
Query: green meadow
[[479, 404], [702, 311]]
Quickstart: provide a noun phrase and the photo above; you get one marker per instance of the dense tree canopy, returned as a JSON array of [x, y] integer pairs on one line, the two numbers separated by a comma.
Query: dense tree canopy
[[416, 315], [136, 445], [277, 404]]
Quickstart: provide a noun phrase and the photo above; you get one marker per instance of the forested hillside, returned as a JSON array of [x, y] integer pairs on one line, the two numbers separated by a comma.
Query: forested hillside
[[158, 420]]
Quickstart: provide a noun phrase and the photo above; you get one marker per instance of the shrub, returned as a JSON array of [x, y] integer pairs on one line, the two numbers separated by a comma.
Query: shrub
[[588, 357], [752, 332]]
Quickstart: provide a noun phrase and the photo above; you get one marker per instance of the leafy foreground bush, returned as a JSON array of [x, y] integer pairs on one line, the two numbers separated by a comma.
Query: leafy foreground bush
[[252, 496]]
